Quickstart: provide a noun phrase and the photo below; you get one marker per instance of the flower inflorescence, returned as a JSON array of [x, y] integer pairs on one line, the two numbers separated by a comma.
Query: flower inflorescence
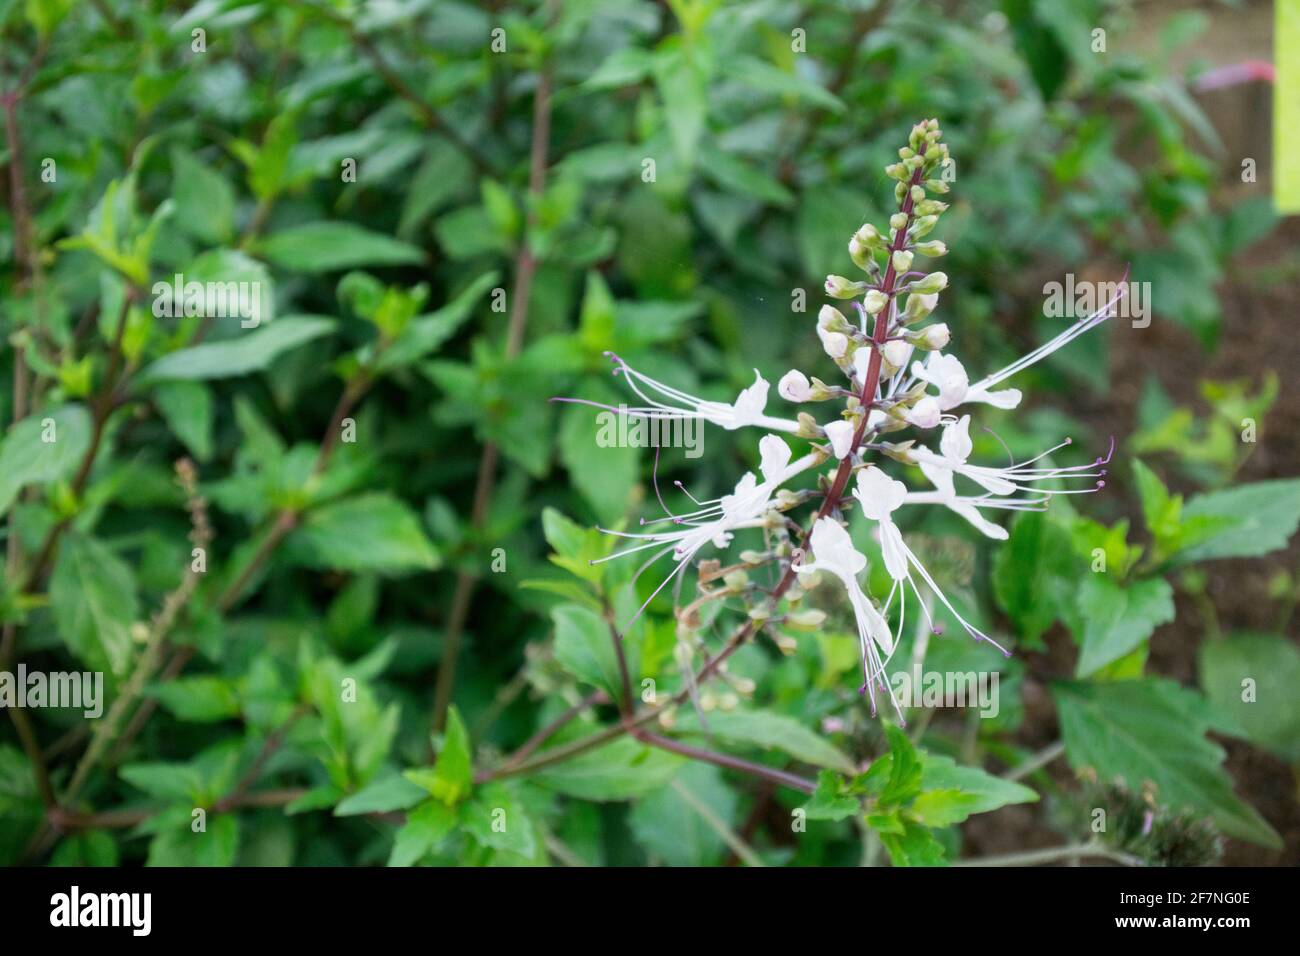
[[889, 389]]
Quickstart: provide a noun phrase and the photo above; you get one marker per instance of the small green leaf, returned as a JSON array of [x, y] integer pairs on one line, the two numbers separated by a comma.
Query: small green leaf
[[384, 794], [371, 532], [452, 776], [325, 246], [93, 593], [251, 352], [1116, 619]]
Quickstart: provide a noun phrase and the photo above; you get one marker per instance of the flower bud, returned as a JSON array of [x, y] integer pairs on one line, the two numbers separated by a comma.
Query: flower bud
[[838, 287], [931, 338], [901, 261], [896, 353], [835, 344], [861, 255], [906, 152], [831, 319], [923, 225], [900, 191], [931, 207], [809, 620], [918, 194], [793, 386], [918, 307], [936, 186], [932, 249], [934, 282], [898, 221], [875, 300], [925, 413], [897, 170]]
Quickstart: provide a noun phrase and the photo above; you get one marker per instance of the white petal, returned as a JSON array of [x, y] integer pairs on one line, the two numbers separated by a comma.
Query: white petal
[[879, 494], [793, 386], [775, 455], [955, 443], [841, 435]]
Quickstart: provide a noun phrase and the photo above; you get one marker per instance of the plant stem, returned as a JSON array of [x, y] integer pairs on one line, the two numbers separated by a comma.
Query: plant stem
[[1076, 851], [1037, 762]]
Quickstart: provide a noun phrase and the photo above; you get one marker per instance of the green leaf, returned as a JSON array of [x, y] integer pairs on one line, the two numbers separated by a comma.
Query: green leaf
[[1253, 678], [252, 352], [1247, 521], [584, 647], [771, 731], [1154, 730], [187, 407], [93, 593], [1033, 572], [830, 801], [205, 201], [384, 794], [915, 846], [619, 770], [167, 781], [426, 826], [951, 792], [371, 532], [575, 546], [766, 78], [670, 822], [497, 820], [179, 845], [325, 246], [426, 333], [1116, 619], [199, 699], [42, 449], [452, 776], [605, 473]]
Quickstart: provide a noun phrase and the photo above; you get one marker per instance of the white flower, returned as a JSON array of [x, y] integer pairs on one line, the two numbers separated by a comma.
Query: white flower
[[834, 553], [664, 401], [880, 496], [715, 520], [840, 432], [925, 414], [947, 372], [794, 387], [955, 448]]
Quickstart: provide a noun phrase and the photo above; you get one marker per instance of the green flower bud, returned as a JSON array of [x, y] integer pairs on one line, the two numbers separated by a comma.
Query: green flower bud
[[930, 207], [931, 338], [934, 282], [875, 301], [900, 190], [918, 307], [868, 235], [898, 221], [860, 254], [901, 261], [809, 620], [936, 186], [923, 226], [906, 152], [838, 287], [932, 249], [831, 319], [897, 171], [918, 194]]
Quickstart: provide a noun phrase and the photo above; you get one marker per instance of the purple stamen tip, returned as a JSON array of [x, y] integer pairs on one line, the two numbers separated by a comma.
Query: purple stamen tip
[[1101, 483], [1069, 440]]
